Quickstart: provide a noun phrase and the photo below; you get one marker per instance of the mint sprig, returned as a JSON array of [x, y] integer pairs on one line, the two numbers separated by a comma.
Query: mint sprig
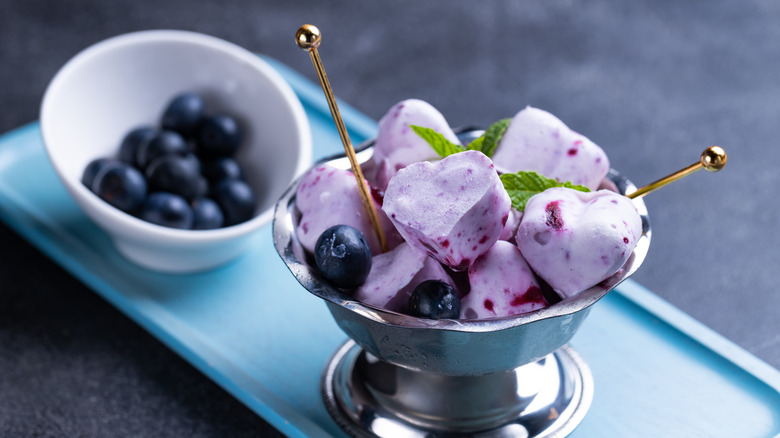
[[438, 141], [486, 143], [521, 186], [476, 144]]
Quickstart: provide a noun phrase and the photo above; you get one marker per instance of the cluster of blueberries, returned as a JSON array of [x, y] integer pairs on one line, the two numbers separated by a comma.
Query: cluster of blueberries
[[343, 257], [180, 175]]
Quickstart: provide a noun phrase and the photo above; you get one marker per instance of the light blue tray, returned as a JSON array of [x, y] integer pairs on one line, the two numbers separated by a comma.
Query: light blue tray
[[252, 329]]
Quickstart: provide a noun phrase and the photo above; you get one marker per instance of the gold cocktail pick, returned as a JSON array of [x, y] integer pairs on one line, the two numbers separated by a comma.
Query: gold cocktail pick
[[308, 38], [713, 159]]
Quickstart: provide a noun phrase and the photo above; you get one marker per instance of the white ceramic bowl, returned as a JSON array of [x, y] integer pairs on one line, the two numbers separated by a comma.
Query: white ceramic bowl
[[126, 82]]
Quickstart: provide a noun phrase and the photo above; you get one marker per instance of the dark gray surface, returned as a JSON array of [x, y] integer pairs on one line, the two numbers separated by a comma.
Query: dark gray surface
[[652, 82]]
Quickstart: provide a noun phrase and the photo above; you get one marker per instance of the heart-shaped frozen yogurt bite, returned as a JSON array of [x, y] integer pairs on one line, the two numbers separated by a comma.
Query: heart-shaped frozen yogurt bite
[[398, 146], [536, 140], [575, 240], [329, 196], [453, 209], [502, 284]]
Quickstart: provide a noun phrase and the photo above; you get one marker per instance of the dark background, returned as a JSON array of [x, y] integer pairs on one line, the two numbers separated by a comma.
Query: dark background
[[653, 82]]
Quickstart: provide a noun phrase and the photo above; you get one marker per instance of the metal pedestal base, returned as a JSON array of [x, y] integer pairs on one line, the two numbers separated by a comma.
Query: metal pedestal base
[[371, 398]]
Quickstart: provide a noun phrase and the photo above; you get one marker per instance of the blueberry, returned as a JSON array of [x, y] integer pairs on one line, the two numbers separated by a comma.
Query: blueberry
[[184, 113], [434, 299], [128, 150], [175, 174], [207, 214], [236, 200], [120, 185], [168, 210], [203, 187], [93, 168], [221, 168], [343, 256], [219, 136], [164, 143]]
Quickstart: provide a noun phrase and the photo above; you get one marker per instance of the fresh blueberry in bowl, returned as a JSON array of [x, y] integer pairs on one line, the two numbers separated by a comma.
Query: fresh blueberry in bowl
[[134, 140], [175, 174], [166, 142], [184, 114], [219, 136], [120, 185], [218, 169], [236, 199], [204, 189], [168, 210], [206, 214], [93, 168]]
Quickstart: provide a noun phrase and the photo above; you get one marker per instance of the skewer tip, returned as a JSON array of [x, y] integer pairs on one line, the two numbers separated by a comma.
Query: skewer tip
[[308, 37], [713, 158]]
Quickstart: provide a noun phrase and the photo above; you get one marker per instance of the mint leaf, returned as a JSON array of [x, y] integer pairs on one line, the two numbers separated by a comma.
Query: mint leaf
[[522, 185], [487, 142], [476, 144], [493, 135], [438, 142]]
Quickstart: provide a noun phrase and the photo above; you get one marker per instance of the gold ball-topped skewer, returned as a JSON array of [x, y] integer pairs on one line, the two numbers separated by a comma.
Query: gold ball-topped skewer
[[308, 37], [713, 159]]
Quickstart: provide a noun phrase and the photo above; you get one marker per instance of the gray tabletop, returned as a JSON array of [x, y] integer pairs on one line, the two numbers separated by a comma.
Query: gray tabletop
[[652, 82]]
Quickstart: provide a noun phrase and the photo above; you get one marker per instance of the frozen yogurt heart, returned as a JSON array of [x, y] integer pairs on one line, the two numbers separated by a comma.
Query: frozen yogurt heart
[[454, 209], [574, 240], [397, 146], [395, 274], [538, 141], [510, 228], [329, 196], [502, 284]]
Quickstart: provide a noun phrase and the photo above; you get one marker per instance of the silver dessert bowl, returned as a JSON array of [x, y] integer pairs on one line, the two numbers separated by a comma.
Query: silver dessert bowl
[[478, 377]]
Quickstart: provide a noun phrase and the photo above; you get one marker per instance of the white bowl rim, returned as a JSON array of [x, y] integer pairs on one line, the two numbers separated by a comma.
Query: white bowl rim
[[149, 230]]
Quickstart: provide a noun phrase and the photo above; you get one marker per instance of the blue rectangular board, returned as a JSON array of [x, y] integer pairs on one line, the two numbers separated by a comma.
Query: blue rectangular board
[[251, 328]]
